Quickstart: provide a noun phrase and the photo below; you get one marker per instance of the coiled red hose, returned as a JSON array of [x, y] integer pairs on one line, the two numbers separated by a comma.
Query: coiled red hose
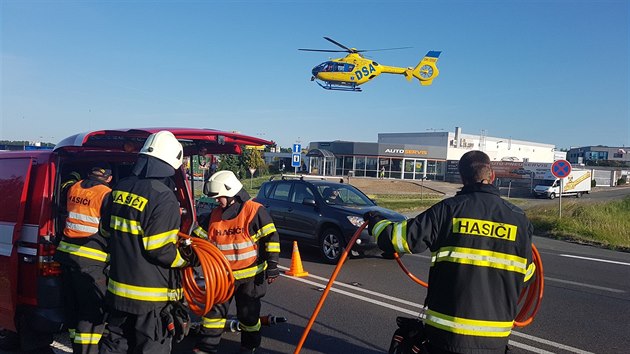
[[219, 280]]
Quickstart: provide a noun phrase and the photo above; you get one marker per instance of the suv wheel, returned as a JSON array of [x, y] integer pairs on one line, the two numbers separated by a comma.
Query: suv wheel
[[331, 245]]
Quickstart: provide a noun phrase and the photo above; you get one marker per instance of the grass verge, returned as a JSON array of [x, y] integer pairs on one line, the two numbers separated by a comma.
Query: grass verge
[[604, 224], [405, 203]]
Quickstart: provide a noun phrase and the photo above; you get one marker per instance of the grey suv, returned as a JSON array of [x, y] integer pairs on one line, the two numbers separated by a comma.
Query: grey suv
[[320, 213]]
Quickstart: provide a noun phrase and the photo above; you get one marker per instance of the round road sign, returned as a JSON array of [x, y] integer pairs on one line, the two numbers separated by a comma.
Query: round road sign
[[561, 168]]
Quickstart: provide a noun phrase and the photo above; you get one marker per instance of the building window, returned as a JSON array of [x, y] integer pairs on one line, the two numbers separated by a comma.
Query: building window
[[370, 167], [396, 167], [359, 164], [348, 165]]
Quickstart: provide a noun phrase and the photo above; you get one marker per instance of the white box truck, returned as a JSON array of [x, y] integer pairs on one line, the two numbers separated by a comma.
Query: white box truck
[[578, 182]]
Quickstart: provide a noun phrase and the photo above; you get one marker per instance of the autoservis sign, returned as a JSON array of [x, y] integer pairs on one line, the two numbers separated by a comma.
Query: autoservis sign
[[402, 151]]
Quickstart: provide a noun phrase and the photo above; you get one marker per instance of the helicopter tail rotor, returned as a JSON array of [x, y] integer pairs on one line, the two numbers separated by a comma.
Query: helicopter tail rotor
[[426, 70]]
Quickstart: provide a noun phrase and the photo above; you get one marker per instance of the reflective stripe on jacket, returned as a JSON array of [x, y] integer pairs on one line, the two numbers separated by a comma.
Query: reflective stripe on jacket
[[84, 209], [232, 236], [260, 227]]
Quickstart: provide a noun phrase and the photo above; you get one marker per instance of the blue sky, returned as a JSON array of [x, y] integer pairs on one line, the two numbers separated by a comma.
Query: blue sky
[[553, 72]]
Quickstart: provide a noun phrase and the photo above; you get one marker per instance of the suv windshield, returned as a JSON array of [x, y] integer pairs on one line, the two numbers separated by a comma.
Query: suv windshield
[[343, 195]]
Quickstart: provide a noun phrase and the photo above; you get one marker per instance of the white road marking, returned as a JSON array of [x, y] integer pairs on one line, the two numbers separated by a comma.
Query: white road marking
[[550, 343], [528, 347], [416, 314], [585, 285], [356, 296], [595, 259]]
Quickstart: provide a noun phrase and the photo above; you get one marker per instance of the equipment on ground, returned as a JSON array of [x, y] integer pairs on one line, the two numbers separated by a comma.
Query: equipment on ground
[[347, 73]]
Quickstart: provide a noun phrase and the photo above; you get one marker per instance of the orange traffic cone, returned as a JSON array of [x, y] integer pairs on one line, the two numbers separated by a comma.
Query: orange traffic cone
[[296, 269]]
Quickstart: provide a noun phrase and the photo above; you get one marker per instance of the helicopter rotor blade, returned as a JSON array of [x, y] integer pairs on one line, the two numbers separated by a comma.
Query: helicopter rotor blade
[[380, 50], [340, 45], [323, 50]]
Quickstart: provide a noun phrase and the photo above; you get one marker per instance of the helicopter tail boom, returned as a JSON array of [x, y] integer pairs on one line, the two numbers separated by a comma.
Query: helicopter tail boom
[[426, 70]]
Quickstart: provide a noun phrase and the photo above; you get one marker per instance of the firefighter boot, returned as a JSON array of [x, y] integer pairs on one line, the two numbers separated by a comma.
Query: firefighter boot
[[199, 351]]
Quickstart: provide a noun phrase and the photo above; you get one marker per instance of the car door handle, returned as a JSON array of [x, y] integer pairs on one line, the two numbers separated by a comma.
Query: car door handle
[[289, 209]]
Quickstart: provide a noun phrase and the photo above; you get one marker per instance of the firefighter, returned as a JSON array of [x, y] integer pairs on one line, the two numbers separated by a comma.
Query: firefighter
[[244, 232], [82, 253], [145, 276], [481, 248]]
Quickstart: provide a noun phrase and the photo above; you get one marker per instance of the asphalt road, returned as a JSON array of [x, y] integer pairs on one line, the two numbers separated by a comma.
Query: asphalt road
[[585, 309]]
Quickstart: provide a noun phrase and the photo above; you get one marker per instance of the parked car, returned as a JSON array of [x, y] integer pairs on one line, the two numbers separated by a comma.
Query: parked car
[[320, 213]]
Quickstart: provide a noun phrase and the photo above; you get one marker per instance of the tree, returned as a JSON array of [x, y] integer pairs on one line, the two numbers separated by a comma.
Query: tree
[[253, 159], [232, 163]]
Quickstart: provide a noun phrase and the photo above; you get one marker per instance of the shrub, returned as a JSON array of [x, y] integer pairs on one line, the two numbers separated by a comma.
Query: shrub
[[622, 181], [593, 183]]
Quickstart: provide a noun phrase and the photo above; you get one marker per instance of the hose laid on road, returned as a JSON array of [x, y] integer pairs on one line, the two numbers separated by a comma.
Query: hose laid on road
[[343, 257], [219, 280]]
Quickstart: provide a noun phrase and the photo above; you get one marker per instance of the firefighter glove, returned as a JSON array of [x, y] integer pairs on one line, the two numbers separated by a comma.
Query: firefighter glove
[[272, 272], [372, 217], [189, 255], [182, 321]]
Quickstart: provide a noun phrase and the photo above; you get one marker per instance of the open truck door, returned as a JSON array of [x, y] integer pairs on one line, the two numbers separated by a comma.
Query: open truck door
[[14, 181], [193, 140]]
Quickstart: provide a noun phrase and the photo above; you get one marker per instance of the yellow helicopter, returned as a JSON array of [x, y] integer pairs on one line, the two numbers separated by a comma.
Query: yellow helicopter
[[347, 73]]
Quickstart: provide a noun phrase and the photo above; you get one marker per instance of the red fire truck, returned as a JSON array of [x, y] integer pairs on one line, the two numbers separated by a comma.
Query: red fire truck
[[32, 217]]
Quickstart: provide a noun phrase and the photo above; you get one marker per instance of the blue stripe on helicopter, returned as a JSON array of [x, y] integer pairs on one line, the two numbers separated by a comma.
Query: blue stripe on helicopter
[[433, 54]]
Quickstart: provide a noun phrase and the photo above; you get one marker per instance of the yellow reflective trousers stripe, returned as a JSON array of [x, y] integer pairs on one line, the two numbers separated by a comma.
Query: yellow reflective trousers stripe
[[213, 322], [467, 326], [87, 338], [254, 328], [143, 293]]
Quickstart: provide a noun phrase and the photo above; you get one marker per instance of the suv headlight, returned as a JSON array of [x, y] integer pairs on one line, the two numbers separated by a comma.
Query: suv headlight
[[355, 220]]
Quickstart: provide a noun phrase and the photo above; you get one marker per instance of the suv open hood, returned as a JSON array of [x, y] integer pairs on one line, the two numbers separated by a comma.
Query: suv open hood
[[130, 140]]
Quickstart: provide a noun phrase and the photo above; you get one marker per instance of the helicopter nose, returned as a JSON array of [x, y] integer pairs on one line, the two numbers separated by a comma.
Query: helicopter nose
[[315, 71]]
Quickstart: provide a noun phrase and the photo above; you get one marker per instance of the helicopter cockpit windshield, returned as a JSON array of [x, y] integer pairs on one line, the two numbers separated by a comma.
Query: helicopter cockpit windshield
[[331, 66]]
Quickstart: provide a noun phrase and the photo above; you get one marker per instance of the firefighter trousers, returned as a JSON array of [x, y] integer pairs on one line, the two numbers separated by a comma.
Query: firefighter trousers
[[84, 304], [247, 295], [139, 334]]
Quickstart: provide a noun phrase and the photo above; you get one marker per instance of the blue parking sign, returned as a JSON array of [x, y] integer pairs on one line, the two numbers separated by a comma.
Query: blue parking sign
[[296, 159]]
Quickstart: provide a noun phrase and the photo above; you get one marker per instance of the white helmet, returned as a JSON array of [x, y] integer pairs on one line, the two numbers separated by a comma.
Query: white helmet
[[163, 145], [222, 184]]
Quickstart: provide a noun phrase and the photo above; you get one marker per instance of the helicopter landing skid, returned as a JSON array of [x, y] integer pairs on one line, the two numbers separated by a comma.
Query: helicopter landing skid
[[334, 87]]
